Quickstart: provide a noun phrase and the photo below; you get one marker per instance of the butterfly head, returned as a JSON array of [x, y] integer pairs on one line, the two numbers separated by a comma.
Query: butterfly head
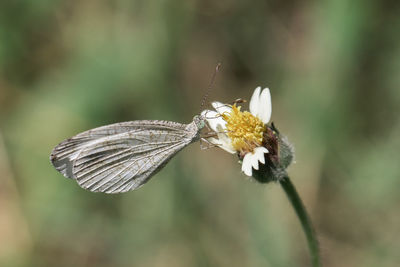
[[199, 121]]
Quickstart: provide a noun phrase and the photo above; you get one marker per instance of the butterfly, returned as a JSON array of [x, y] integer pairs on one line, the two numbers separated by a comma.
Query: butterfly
[[121, 157]]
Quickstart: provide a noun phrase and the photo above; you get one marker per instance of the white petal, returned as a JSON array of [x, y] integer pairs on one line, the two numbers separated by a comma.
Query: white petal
[[221, 131], [210, 114], [254, 101], [246, 165], [221, 108], [221, 144], [206, 113], [264, 107], [225, 140], [228, 148], [254, 161], [259, 154], [214, 119], [226, 143], [217, 124], [214, 141]]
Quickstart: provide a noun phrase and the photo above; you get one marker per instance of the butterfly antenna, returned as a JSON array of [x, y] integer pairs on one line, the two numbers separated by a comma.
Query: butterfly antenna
[[211, 84]]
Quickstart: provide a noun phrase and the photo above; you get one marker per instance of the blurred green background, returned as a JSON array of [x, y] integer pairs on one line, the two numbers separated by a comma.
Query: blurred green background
[[333, 67]]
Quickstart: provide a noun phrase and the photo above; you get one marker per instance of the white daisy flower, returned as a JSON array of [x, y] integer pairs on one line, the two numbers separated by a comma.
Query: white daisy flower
[[242, 132]]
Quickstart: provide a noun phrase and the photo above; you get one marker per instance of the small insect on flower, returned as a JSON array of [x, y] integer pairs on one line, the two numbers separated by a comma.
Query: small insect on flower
[[121, 157], [248, 135]]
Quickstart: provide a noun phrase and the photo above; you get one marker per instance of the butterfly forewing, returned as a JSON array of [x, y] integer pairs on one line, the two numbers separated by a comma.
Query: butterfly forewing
[[123, 165], [123, 156]]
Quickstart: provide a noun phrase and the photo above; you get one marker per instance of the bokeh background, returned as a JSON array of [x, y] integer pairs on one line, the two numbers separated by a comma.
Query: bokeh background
[[333, 67]]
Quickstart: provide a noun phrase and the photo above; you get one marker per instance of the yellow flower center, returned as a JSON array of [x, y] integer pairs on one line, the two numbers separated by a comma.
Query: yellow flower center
[[244, 129]]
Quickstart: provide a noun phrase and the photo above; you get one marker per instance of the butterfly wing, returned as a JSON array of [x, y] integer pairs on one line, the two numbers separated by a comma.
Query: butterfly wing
[[121, 157]]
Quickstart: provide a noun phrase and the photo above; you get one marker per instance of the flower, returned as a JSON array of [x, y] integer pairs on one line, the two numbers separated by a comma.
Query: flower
[[248, 135], [243, 132]]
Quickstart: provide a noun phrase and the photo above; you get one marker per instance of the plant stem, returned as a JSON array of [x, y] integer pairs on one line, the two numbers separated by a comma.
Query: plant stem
[[305, 221]]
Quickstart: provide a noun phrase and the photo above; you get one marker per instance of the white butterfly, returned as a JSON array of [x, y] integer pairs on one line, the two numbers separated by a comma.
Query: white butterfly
[[123, 156]]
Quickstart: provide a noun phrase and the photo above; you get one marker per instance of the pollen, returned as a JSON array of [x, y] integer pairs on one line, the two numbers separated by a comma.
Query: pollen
[[244, 129]]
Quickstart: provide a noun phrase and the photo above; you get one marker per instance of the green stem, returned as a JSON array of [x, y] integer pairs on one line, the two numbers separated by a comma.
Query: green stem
[[305, 221]]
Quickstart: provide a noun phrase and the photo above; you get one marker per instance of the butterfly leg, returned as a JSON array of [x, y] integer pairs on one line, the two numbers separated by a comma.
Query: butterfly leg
[[208, 143]]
